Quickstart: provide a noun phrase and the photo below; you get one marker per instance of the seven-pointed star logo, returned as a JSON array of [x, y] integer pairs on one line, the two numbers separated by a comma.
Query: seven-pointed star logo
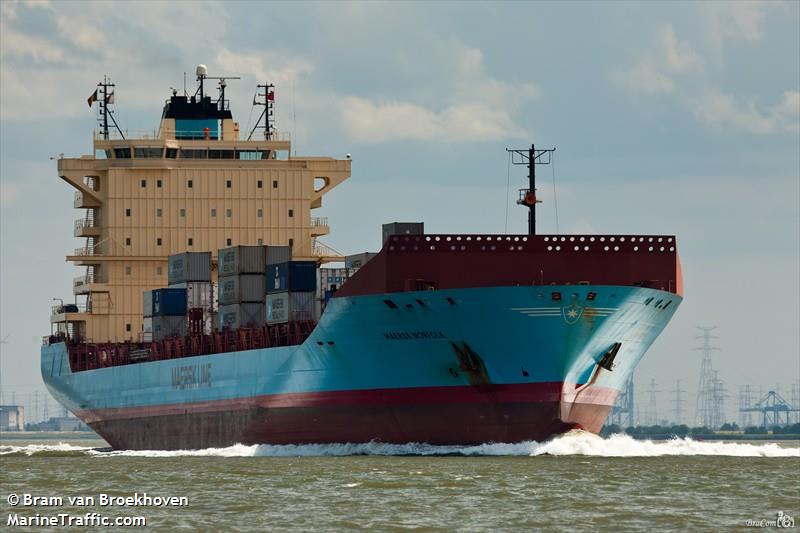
[[571, 313]]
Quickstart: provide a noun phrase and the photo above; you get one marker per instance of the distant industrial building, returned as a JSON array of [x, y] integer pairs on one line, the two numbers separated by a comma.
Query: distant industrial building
[[12, 418]]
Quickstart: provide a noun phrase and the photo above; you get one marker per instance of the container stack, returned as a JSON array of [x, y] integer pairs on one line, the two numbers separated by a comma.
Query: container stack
[[164, 313], [192, 271], [329, 281], [402, 228], [291, 291], [358, 260], [241, 286]]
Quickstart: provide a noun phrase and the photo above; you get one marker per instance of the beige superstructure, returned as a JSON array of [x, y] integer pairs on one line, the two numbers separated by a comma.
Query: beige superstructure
[[142, 199]]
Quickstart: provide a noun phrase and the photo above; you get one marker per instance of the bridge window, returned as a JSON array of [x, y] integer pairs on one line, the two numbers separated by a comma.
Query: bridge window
[[220, 154], [122, 153], [193, 154], [252, 155], [147, 151], [172, 153]]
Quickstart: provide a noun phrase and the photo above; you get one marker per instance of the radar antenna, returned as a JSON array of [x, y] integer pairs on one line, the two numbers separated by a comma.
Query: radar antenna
[[202, 75], [527, 197]]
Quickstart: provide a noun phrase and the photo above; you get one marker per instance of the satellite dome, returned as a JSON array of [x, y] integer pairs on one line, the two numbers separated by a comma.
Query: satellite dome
[[202, 70]]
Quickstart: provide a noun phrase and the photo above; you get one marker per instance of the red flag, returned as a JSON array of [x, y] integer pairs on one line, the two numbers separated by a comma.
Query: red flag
[[92, 99], [271, 96]]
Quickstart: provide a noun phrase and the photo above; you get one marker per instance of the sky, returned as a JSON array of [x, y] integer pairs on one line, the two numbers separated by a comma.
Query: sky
[[671, 118]]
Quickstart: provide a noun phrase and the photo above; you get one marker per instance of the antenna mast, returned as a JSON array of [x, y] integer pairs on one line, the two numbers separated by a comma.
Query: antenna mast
[[267, 113], [527, 197], [104, 98]]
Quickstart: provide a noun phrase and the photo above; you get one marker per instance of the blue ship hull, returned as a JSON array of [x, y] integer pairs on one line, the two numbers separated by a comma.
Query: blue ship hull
[[449, 366]]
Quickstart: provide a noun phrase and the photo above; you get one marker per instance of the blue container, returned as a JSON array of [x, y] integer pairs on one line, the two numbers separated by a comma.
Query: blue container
[[277, 278], [169, 302], [302, 276], [294, 276]]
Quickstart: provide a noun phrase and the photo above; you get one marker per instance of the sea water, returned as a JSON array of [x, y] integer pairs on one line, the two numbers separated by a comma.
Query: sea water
[[577, 482]]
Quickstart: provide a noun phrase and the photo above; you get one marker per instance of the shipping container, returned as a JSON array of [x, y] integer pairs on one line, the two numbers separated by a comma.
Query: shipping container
[[147, 303], [332, 278], [189, 266], [277, 277], [199, 294], [157, 328], [403, 228], [290, 306], [166, 302], [302, 276], [278, 254], [293, 276], [245, 288], [358, 260], [242, 260], [239, 315]]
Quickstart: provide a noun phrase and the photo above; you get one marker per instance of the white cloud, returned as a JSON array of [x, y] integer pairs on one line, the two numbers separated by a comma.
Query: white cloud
[[725, 112], [477, 108], [657, 67], [672, 67], [79, 51], [264, 66], [679, 55], [370, 122], [16, 44], [734, 21], [644, 77], [8, 193], [8, 11], [461, 102]]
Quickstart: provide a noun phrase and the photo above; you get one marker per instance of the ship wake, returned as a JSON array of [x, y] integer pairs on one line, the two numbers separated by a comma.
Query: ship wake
[[575, 443]]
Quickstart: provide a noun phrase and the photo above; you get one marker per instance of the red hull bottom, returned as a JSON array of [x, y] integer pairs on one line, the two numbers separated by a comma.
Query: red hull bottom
[[391, 422]]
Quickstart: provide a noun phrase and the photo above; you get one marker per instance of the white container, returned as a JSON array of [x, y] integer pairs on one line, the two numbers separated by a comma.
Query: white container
[[239, 315], [245, 288], [284, 307]]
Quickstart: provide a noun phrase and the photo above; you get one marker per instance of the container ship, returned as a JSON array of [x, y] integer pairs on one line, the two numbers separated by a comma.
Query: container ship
[[210, 312]]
